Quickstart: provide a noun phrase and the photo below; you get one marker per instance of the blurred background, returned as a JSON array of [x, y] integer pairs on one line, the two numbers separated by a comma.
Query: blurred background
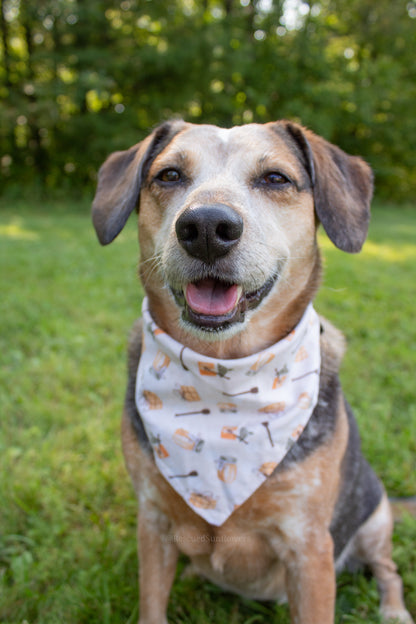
[[81, 79]]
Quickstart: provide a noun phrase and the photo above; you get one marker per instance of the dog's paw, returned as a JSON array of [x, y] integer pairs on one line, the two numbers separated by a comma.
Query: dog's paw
[[391, 615]]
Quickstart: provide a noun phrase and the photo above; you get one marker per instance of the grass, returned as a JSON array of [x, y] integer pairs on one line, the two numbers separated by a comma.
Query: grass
[[67, 520]]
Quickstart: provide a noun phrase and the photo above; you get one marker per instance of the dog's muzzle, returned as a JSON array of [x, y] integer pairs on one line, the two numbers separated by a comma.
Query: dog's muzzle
[[208, 234]]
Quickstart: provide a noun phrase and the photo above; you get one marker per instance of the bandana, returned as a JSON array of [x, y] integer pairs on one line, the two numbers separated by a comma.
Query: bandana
[[219, 428]]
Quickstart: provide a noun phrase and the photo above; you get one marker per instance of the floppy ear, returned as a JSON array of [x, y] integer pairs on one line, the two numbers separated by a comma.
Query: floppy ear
[[120, 179], [342, 188]]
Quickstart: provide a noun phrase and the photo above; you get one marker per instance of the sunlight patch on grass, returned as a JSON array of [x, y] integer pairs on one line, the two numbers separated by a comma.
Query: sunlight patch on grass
[[389, 252], [383, 251], [15, 230]]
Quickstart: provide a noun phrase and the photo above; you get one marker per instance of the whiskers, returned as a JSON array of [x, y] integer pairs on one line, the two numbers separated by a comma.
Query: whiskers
[[151, 268]]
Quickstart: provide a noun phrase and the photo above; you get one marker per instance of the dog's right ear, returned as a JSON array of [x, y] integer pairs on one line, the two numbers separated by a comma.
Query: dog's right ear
[[120, 179]]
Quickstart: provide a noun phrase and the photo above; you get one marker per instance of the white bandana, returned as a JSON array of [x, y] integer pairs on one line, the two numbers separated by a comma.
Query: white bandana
[[219, 428]]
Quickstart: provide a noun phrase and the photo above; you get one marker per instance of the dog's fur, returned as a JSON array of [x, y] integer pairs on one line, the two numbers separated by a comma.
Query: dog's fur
[[323, 504]]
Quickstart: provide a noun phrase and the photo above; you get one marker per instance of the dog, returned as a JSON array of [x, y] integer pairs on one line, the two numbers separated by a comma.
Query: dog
[[230, 265]]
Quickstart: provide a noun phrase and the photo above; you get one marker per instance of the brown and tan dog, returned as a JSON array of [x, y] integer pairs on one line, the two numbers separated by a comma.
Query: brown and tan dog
[[229, 261]]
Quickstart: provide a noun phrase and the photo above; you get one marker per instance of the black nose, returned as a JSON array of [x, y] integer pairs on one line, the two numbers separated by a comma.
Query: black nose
[[209, 232]]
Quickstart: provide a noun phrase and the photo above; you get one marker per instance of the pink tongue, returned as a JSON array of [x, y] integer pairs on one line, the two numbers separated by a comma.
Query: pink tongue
[[211, 298]]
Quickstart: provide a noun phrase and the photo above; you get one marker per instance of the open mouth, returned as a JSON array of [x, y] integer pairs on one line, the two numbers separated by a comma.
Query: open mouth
[[214, 305]]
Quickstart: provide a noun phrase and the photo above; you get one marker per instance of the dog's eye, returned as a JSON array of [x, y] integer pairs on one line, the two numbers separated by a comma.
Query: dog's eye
[[274, 178], [169, 176]]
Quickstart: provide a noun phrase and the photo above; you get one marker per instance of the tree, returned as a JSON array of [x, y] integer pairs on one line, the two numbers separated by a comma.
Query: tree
[[80, 79]]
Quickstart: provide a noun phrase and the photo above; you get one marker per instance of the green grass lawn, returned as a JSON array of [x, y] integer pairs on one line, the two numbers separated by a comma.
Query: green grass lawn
[[67, 519]]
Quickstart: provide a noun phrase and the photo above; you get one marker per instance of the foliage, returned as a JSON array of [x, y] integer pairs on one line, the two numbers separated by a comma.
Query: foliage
[[67, 522], [81, 79]]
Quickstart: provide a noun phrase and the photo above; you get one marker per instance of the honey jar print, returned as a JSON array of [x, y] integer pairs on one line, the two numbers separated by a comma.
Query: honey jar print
[[227, 408], [160, 364], [227, 469], [187, 440], [281, 376]]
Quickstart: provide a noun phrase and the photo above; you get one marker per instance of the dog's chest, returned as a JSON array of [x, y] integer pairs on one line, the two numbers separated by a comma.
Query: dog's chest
[[246, 554]]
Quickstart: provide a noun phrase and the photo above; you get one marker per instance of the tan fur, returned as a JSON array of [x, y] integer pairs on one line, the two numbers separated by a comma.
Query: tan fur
[[277, 544]]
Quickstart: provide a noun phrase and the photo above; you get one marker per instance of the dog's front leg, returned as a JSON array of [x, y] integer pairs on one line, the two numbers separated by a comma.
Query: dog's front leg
[[158, 555], [310, 582]]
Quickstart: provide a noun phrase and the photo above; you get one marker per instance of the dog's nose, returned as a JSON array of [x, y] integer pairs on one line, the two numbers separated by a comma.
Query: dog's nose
[[209, 232]]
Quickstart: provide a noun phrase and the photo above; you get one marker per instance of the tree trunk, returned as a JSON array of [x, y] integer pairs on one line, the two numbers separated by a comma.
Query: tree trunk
[[5, 43]]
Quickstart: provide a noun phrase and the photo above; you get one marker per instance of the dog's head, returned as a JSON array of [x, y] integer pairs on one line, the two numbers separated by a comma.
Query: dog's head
[[228, 218]]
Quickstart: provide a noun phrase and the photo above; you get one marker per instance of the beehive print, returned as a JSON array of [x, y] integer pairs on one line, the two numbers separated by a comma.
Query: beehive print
[[152, 400], [189, 393], [267, 468], [202, 501]]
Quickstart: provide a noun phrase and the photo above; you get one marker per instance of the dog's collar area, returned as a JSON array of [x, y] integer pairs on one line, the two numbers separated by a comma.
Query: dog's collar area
[[200, 298]]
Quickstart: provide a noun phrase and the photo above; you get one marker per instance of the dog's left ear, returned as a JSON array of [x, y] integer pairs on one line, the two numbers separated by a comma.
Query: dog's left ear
[[120, 179], [342, 188]]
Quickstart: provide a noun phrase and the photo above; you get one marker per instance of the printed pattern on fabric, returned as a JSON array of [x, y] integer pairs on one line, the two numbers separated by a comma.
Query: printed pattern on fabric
[[219, 428]]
